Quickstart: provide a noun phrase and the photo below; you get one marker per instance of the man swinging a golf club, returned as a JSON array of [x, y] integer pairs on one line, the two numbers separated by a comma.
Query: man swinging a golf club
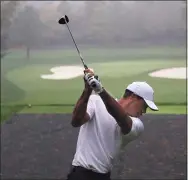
[[103, 121]]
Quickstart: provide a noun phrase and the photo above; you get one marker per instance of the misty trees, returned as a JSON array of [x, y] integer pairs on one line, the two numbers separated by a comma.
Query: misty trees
[[95, 21], [8, 9], [100, 22], [89, 22], [65, 8], [27, 29]]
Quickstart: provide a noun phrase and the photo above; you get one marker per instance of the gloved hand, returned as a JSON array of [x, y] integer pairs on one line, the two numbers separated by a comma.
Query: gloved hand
[[91, 71], [93, 82], [86, 71]]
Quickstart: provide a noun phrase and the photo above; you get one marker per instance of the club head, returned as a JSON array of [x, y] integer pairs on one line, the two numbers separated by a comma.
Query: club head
[[63, 20]]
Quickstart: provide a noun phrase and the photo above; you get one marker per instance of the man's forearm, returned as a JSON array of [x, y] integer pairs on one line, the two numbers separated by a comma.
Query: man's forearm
[[81, 107], [115, 109]]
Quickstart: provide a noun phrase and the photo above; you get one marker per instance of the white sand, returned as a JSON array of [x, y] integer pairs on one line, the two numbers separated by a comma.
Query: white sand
[[70, 72], [64, 72], [171, 73]]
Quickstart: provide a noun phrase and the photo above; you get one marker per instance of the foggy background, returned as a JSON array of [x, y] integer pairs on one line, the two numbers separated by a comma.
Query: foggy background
[[32, 43], [34, 25]]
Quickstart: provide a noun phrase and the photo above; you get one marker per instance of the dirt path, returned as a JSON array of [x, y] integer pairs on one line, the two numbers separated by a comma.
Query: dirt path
[[42, 146]]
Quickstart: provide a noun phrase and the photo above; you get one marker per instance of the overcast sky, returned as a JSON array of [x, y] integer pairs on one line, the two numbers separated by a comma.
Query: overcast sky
[[38, 4]]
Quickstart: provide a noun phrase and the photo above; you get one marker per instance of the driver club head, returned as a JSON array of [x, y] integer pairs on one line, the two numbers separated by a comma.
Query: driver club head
[[64, 20]]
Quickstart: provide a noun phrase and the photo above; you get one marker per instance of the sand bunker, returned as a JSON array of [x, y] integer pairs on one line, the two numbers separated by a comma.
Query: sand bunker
[[64, 72], [172, 73], [70, 72]]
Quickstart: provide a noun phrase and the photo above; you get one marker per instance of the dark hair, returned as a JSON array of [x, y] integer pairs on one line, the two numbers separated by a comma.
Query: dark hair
[[128, 93]]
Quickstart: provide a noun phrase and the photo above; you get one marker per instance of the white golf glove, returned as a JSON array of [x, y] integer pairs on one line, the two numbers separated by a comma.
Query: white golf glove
[[94, 82]]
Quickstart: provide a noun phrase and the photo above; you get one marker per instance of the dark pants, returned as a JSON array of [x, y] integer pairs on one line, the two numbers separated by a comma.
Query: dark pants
[[80, 173]]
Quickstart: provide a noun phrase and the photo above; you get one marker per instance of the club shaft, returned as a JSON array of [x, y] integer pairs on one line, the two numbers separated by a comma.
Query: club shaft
[[85, 66]]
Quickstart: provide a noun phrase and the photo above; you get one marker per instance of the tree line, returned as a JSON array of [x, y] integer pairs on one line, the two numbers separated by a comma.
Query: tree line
[[93, 23]]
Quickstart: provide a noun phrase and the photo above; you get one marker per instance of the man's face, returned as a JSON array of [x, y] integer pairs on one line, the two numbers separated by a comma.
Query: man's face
[[136, 106]]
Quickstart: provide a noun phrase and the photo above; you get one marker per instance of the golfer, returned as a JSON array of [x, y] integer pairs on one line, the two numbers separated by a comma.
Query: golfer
[[103, 120]]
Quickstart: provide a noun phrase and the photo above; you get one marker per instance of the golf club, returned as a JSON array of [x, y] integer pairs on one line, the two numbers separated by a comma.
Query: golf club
[[65, 20]]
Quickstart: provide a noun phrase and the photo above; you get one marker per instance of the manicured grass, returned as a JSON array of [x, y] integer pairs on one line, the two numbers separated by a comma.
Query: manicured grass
[[116, 67], [8, 111], [115, 77], [68, 109], [47, 109], [10, 92]]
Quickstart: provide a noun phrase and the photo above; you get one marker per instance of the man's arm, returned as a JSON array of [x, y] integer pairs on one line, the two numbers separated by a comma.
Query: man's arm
[[79, 115], [112, 106], [115, 109]]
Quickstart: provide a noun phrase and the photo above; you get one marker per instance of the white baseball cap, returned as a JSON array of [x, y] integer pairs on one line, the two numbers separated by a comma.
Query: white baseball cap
[[145, 91]]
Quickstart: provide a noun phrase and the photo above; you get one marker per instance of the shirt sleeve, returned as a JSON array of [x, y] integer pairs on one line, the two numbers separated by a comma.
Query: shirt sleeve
[[90, 106], [136, 130]]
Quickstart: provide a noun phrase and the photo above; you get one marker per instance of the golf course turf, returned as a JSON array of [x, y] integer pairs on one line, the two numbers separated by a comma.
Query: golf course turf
[[21, 82]]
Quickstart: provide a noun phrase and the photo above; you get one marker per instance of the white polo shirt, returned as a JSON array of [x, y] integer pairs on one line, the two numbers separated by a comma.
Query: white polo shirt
[[99, 139]]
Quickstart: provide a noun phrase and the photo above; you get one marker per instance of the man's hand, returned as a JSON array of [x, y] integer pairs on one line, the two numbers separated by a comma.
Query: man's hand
[[86, 71], [93, 81]]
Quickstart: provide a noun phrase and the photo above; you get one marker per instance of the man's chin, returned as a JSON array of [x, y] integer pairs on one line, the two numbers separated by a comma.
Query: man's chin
[[136, 115]]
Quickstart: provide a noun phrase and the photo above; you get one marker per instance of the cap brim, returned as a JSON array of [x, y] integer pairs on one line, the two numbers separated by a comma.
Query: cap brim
[[151, 105]]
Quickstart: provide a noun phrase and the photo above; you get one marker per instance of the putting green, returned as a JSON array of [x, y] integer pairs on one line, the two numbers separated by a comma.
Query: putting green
[[115, 76], [129, 68]]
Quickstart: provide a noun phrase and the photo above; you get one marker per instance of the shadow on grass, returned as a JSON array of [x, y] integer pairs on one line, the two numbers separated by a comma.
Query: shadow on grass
[[9, 93], [8, 111]]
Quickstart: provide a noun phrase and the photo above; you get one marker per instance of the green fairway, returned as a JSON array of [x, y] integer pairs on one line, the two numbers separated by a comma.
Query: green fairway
[[21, 83], [114, 76]]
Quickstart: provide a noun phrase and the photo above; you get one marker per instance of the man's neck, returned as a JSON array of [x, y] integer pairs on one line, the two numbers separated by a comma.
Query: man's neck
[[121, 101]]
